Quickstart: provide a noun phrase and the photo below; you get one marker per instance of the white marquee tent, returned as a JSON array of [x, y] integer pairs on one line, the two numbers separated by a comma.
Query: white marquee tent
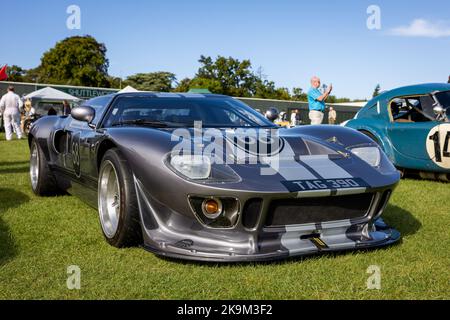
[[51, 94], [128, 89]]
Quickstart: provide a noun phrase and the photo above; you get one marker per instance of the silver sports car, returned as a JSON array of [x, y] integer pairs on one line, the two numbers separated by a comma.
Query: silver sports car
[[205, 177]]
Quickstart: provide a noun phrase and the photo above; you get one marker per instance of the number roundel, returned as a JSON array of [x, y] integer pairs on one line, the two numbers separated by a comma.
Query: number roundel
[[438, 145]]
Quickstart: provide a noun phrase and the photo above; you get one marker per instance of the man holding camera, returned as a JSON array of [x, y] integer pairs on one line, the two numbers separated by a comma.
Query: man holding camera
[[317, 100]]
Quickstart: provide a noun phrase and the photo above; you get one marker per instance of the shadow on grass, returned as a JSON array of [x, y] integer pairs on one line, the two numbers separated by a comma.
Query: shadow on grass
[[9, 198], [14, 167], [394, 216], [401, 220]]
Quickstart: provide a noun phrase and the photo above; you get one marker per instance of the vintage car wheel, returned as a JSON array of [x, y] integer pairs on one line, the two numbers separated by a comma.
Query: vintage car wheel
[[117, 202], [43, 182]]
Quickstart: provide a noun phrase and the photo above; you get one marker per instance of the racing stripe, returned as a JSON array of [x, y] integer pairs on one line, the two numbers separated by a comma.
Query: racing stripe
[[314, 172], [325, 167], [289, 168], [292, 242]]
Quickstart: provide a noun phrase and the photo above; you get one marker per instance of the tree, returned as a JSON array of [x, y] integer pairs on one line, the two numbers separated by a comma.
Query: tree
[[183, 85], [377, 91], [115, 82], [266, 90], [334, 99], [15, 73], [75, 61], [299, 95], [212, 85], [153, 81], [227, 76], [31, 75]]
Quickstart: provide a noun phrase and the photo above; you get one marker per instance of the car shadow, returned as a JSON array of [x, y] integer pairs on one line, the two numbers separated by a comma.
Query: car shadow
[[9, 198], [14, 167], [401, 220], [396, 217]]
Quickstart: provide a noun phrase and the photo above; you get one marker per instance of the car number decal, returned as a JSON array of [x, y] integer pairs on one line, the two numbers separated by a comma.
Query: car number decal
[[438, 145], [76, 158], [324, 184]]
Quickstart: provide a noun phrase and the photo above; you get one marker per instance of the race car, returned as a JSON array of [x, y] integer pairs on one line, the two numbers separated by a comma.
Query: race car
[[205, 177], [411, 124]]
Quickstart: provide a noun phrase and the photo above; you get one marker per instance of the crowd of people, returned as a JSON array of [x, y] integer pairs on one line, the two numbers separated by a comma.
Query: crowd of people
[[317, 97]]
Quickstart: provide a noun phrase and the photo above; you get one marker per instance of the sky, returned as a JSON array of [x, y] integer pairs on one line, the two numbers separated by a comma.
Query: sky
[[291, 40]]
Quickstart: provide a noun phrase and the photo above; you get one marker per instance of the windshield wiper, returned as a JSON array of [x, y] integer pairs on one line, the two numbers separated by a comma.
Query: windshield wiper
[[144, 122]]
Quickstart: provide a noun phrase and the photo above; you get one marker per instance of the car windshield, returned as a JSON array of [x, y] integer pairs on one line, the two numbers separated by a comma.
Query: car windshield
[[444, 99], [216, 112]]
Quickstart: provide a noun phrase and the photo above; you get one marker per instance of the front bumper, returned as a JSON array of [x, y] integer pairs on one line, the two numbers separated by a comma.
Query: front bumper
[[179, 234], [378, 238]]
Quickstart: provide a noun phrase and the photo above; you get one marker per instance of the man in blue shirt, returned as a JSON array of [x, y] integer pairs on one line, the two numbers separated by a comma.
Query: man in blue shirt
[[317, 100]]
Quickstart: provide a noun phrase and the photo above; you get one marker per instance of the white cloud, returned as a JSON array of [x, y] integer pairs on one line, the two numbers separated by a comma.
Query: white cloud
[[423, 28]]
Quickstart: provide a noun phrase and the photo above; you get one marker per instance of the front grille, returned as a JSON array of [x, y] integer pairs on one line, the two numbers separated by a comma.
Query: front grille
[[314, 210]]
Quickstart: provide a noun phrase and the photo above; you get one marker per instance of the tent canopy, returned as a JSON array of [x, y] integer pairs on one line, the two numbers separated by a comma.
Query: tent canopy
[[128, 89], [49, 93]]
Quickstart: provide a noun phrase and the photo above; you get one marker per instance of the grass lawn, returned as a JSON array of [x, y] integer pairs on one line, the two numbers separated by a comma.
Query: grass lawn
[[41, 237]]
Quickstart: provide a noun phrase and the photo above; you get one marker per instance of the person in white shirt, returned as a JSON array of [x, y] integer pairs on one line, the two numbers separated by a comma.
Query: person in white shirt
[[10, 105], [294, 122]]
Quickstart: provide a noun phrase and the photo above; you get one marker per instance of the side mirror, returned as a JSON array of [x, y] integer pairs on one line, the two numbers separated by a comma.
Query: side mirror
[[84, 113]]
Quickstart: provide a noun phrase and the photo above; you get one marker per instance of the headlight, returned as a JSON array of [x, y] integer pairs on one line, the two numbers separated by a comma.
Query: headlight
[[202, 169], [371, 155], [195, 167]]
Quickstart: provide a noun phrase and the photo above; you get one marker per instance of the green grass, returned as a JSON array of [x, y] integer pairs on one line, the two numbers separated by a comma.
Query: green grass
[[41, 237]]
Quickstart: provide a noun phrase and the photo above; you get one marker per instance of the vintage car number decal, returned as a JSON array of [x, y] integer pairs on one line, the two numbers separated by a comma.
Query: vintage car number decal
[[438, 145], [324, 184]]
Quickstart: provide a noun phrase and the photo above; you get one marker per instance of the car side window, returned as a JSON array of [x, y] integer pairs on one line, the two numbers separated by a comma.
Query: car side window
[[409, 110], [99, 104]]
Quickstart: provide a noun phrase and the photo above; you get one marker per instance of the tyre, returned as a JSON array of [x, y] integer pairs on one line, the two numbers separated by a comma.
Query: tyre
[[117, 202], [43, 181]]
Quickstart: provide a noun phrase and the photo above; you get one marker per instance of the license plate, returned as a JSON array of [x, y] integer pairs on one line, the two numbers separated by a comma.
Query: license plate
[[324, 184]]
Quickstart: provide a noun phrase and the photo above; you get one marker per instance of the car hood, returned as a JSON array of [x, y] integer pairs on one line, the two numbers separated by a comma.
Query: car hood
[[279, 161]]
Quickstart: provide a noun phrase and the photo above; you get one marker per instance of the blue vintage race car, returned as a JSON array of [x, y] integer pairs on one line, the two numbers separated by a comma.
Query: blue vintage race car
[[411, 124]]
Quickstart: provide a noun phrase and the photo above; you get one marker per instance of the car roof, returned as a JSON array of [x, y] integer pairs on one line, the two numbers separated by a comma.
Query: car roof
[[169, 95], [418, 89]]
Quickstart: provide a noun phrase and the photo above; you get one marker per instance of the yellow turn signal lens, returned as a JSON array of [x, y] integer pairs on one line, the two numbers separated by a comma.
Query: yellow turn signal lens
[[212, 208]]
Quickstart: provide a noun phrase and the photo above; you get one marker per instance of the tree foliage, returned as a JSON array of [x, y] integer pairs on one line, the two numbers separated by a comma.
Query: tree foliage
[[75, 61], [265, 89], [226, 76], [377, 91], [232, 77], [81, 60], [153, 81], [299, 95], [183, 86], [15, 73]]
